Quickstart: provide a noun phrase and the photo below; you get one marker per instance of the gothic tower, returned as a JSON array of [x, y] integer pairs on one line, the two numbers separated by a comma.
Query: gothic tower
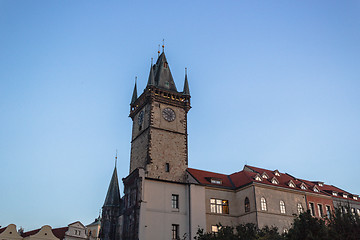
[[159, 134], [111, 211]]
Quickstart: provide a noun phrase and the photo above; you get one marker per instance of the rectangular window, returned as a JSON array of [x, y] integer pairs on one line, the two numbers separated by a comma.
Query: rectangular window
[[214, 228], [320, 210], [328, 211], [175, 231], [219, 206], [175, 201], [312, 209], [167, 167]]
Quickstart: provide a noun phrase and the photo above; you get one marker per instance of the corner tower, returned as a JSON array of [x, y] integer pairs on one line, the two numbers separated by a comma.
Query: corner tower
[[159, 134], [111, 211]]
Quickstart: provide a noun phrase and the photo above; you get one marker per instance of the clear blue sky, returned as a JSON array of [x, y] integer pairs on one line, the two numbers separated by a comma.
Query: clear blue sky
[[274, 84]]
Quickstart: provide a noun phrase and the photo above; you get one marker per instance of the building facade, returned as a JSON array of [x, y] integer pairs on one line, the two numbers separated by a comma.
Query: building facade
[[165, 199]]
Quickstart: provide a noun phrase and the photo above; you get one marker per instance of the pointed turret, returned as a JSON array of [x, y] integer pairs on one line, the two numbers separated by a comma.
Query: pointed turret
[[186, 90], [151, 81], [113, 193], [163, 77], [134, 96]]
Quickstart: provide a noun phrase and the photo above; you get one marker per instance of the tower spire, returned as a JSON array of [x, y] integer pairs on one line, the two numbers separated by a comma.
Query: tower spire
[[151, 81], [186, 90], [134, 96]]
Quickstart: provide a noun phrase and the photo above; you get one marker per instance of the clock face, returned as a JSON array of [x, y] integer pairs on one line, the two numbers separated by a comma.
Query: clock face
[[140, 118], [168, 114]]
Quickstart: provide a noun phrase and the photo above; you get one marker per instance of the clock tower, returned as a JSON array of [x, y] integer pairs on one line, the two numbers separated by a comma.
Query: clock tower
[[159, 133]]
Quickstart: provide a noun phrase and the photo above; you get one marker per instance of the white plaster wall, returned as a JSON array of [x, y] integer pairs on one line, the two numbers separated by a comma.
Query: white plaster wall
[[157, 215]]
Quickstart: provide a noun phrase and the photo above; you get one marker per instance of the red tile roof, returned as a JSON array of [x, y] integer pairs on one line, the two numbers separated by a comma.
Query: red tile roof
[[2, 229], [32, 232], [60, 232], [248, 174]]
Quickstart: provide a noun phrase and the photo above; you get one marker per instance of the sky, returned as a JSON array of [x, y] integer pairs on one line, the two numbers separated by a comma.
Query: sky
[[274, 84]]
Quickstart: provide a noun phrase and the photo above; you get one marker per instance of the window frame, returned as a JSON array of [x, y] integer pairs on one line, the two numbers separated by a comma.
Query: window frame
[[320, 210], [282, 207], [263, 204], [219, 206], [300, 208], [175, 201], [247, 204], [175, 232], [312, 209]]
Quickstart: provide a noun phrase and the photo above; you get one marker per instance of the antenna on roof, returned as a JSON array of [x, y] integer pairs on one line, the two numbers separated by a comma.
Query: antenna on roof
[[163, 45], [158, 50]]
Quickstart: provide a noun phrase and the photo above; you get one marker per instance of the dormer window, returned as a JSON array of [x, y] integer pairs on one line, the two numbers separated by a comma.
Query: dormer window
[[215, 181], [291, 184], [258, 178], [321, 184], [334, 193], [264, 175], [345, 195], [303, 186], [355, 197], [276, 172], [274, 181], [316, 189]]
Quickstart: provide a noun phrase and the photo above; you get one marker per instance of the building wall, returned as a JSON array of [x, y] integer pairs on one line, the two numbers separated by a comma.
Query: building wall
[[229, 219], [319, 199], [246, 217], [10, 233], [168, 144], [272, 216], [45, 233], [157, 214]]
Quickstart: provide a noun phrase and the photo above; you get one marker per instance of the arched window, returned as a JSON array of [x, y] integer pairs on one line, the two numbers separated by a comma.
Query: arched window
[[300, 208], [247, 205], [282, 207], [263, 204]]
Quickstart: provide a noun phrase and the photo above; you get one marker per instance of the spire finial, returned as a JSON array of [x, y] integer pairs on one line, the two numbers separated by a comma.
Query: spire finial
[[163, 45], [134, 96], [116, 158], [158, 50], [152, 61], [186, 90], [186, 71]]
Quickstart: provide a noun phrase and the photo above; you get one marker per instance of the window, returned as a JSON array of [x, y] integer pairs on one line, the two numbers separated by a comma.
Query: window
[[334, 193], [328, 211], [258, 178], [312, 209], [215, 181], [353, 211], [291, 184], [219, 206], [175, 201], [274, 181], [265, 176], [167, 167], [263, 204], [316, 189], [355, 198], [175, 231], [277, 173], [358, 211], [214, 228], [344, 195], [303, 187], [282, 207], [247, 205], [300, 208], [320, 210]]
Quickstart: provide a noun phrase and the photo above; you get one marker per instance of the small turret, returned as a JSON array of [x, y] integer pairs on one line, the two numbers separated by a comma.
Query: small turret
[[186, 90], [134, 96], [151, 81]]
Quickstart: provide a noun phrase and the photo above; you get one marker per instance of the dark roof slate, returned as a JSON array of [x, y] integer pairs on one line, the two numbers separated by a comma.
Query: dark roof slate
[[113, 194]]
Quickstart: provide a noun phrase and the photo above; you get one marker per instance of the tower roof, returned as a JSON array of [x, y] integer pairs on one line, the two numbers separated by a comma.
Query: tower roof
[[186, 90], [162, 74], [113, 193], [134, 96]]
